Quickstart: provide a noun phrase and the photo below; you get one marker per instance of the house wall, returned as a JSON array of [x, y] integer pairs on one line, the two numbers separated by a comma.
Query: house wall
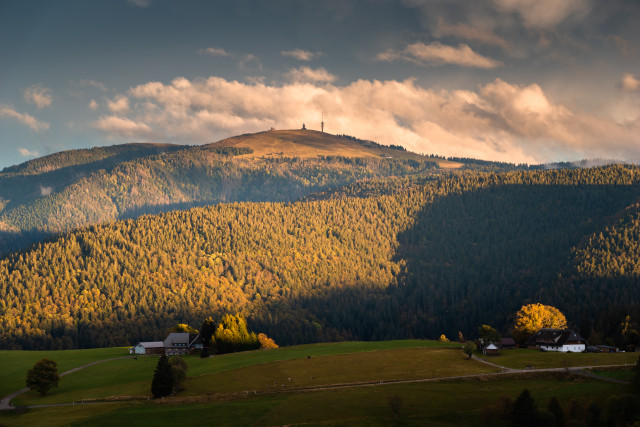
[[574, 348]]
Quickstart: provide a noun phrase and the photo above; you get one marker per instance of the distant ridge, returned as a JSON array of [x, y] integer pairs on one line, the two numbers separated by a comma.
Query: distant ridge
[[312, 144], [75, 188]]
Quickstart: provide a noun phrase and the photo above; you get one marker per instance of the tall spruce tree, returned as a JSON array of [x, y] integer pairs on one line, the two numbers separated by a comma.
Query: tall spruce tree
[[162, 383]]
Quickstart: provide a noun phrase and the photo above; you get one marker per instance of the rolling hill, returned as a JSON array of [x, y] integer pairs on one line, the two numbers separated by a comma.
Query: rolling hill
[[398, 257], [75, 188]]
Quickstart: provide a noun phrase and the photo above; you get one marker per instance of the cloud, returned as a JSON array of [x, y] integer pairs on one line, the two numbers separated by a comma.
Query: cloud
[[122, 127], [214, 51], [629, 82], [467, 32], [541, 14], [92, 83], [140, 3], [28, 153], [26, 119], [39, 95], [93, 105], [498, 121], [119, 104], [300, 55], [306, 74], [625, 47], [438, 54], [45, 191]]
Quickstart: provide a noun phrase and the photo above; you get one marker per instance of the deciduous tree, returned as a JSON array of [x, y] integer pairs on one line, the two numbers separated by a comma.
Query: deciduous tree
[[43, 376], [533, 317]]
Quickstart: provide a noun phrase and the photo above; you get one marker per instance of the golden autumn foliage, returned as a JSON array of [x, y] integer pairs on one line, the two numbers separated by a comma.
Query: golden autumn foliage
[[266, 342], [533, 317]]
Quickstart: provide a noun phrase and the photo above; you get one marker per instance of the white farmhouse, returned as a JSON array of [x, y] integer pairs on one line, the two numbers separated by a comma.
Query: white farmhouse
[[562, 340]]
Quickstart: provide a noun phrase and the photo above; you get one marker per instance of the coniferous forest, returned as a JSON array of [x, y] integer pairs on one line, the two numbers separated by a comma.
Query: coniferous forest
[[414, 256]]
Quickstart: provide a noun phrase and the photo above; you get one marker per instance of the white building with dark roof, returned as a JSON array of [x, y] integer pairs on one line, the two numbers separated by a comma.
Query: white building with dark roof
[[562, 340]]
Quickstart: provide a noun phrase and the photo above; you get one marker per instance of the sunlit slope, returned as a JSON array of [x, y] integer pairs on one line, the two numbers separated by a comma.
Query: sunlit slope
[[71, 189], [435, 255], [314, 144]]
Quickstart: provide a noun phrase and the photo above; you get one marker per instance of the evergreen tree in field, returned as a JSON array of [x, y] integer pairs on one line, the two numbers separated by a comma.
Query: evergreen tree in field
[[555, 408], [43, 376], [524, 410], [162, 383]]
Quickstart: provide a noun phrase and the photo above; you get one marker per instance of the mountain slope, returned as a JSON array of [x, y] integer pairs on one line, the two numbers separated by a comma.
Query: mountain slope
[[67, 190], [435, 255]]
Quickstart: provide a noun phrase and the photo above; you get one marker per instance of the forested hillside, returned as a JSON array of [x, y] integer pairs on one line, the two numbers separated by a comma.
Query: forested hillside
[[68, 190], [410, 257]]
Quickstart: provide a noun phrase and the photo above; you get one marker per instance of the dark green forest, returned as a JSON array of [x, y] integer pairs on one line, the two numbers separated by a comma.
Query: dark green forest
[[384, 258]]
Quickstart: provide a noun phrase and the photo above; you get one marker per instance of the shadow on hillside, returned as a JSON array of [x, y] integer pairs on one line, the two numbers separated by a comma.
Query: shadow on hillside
[[471, 259]]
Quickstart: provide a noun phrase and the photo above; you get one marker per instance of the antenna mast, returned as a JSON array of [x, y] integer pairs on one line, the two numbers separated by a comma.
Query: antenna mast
[[322, 123]]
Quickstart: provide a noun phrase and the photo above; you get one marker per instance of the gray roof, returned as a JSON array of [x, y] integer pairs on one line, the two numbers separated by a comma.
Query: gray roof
[[151, 344]]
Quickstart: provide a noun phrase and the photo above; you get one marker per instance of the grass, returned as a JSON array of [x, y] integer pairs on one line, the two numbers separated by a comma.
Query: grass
[[521, 358], [129, 377], [618, 374], [434, 404], [383, 365], [16, 363]]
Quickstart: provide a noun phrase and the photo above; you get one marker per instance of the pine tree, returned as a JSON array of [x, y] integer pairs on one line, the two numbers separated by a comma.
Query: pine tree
[[162, 383]]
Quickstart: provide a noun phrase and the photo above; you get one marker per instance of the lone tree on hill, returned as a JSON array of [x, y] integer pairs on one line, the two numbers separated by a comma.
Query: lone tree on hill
[[43, 376], [162, 384], [533, 317]]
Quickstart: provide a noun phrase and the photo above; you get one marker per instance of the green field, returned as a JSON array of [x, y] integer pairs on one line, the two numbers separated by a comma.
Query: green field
[[437, 404], [232, 389], [521, 358], [15, 363]]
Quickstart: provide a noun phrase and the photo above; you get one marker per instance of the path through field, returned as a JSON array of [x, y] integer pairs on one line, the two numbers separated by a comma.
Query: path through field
[[5, 403]]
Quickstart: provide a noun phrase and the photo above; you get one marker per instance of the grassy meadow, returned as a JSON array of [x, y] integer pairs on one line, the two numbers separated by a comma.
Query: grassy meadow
[[232, 389], [521, 358]]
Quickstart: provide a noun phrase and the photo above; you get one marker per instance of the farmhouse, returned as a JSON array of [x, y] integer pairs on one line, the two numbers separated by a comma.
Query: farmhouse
[[148, 347], [181, 343], [175, 343], [563, 340]]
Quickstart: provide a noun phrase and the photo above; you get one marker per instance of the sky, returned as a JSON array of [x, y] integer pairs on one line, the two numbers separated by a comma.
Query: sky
[[522, 81]]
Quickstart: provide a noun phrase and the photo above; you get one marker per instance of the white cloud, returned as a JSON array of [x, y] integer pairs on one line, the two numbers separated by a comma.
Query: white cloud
[[438, 54], [498, 121], [299, 54], [630, 82], [45, 191], [544, 13], [123, 127], [306, 74], [139, 3], [214, 51], [26, 119], [119, 104], [93, 105], [471, 33], [28, 153], [39, 95]]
